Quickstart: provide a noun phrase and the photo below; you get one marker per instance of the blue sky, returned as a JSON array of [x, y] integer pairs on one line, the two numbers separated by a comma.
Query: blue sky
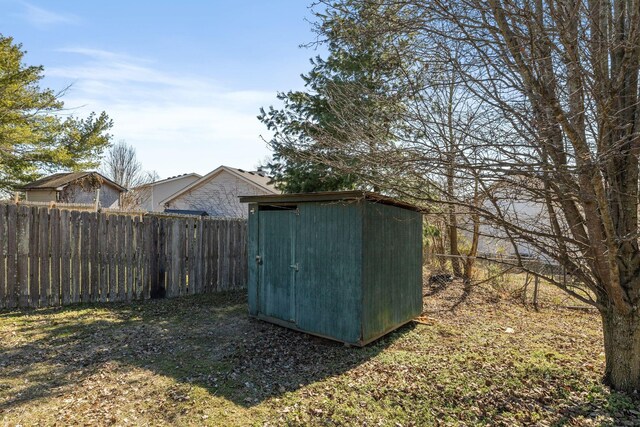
[[182, 80]]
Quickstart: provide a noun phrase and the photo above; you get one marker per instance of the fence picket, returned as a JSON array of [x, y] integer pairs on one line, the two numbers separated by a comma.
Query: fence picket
[[103, 244], [4, 290], [215, 258], [121, 257], [128, 257], [43, 254], [12, 256], [34, 259], [65, 257], [23, 256], [139, 246], [54, 225], [112, 249], [94, 258], [75, 256], [197, 258], [85, 256]]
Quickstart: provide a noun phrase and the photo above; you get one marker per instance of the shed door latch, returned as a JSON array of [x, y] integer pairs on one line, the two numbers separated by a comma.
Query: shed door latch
[[294, 266], [258, 259]]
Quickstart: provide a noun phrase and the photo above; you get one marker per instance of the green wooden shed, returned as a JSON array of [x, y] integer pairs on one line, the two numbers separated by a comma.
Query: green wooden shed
[[341, 265]]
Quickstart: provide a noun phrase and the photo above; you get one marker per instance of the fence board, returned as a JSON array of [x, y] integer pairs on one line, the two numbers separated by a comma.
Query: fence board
[[244, 254], [65, 256], [43, 254], [197, 258], [175, 261], [112, 230], [103, 244], [158, 279], [215, 258], [190, 250], [234, 247], [34, 265], [54, 224], [85, 257], [94, 258], [75, 256], [3, 254], [121, 258], [128, 262], [139, 246], [23, 256], [12, 256], [222, 251]]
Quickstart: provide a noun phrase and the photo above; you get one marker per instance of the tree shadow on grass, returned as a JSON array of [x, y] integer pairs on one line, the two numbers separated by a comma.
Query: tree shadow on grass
[[207, 341], [439, 284], [617, 409]]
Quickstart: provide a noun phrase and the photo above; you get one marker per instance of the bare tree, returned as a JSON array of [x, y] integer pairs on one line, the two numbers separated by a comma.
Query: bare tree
[[122, 166], [555, 84], [217, 201]]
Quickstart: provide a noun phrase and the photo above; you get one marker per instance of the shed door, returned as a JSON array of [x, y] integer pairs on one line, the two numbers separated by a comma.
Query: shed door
[[277, 268]]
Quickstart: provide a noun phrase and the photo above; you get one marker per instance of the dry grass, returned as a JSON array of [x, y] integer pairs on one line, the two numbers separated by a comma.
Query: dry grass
[[477, 358]]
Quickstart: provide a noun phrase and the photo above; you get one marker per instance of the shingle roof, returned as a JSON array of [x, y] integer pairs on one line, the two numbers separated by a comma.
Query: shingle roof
[[162, 181], [63, 179], [258, 177]]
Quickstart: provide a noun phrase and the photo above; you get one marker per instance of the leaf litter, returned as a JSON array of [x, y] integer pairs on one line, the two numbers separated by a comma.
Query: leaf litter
[[473, 358]]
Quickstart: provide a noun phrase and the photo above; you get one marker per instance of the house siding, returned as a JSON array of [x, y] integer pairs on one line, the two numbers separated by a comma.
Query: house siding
[[218, 196], [75, 193], [161, 191], [41, 195]]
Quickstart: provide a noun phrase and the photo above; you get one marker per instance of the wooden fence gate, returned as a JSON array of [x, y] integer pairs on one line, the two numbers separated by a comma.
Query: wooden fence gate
[[51, 257]]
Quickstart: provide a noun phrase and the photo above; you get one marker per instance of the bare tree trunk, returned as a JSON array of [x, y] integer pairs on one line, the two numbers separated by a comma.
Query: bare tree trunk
[[622, 350], [452, 227]]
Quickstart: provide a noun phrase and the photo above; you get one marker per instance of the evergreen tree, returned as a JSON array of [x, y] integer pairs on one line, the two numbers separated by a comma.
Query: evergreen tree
[[34, 138], [360, 71]]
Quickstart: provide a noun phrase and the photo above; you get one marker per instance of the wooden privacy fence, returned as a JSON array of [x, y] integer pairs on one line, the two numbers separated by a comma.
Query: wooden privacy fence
[[53, 257]]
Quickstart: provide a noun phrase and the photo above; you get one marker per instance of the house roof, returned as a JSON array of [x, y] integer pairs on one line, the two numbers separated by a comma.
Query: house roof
[[171, 178], [58, 181], [256, 178], [329, 196]]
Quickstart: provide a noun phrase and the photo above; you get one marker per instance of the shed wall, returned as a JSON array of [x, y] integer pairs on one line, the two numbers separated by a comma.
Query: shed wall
[[392, 268], [328, 283]]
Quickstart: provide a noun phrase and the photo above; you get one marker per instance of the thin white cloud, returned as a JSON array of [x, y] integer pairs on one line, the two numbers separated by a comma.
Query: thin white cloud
[[43, 18], [178, 123]]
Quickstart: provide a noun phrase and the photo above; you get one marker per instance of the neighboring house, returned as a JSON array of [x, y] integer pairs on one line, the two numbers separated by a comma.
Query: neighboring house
[[74, 187], [217, 192], [515, 206], [151, 195]]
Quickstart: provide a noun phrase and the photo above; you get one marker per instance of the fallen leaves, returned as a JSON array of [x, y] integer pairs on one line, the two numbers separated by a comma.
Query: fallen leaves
[[471, 359]]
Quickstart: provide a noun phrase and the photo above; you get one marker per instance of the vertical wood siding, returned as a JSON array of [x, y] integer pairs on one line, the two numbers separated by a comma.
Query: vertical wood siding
[[392, 268]]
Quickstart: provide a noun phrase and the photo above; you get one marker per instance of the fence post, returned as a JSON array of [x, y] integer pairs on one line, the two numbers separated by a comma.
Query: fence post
[[535, 292]]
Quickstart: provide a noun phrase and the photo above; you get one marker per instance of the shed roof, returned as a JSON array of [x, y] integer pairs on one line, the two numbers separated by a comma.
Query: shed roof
[[329, 196], [62, 179]]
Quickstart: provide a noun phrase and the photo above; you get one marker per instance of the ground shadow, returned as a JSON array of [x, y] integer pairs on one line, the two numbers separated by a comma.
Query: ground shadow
[[439, 283], [206, 340]]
